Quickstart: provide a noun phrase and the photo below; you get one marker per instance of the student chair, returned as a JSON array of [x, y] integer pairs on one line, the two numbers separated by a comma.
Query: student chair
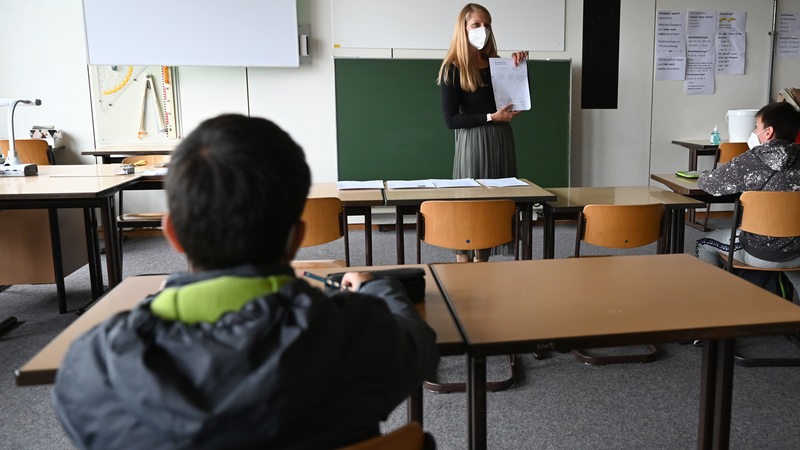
[[775, 214], [30, 151], [468, 225], [139, 220], [325, 222], [725, 153], [407, 437], [620, 227]]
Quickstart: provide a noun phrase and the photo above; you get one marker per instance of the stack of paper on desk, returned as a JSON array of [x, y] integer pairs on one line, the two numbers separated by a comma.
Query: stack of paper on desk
[[502, 182], [431, 183], [371, 184]]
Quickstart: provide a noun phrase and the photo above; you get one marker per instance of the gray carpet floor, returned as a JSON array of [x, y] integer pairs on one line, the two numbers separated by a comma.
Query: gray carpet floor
[[557, 402]]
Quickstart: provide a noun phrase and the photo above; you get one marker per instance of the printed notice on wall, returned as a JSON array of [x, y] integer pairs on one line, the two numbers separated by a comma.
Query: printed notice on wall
[[788, 35], [670, 46], [731, 43], [701, 30]]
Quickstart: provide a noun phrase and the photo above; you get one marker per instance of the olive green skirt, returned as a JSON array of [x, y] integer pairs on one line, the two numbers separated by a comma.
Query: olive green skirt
[[486, 151]]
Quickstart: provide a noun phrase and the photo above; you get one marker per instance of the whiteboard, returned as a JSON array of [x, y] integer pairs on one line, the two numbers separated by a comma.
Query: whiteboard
[[242, 33], [536, 25]]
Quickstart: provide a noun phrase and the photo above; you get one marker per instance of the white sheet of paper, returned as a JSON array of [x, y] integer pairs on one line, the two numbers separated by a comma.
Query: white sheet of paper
[[510, 84], [371, 184], [410, 184], [156, 171], [502, 182], [460, 182]]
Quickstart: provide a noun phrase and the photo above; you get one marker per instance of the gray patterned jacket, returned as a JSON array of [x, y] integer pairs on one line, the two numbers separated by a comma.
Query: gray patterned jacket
[[773, 166]]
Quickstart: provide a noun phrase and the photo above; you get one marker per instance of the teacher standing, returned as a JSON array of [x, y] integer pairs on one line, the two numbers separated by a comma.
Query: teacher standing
[[484, 138]]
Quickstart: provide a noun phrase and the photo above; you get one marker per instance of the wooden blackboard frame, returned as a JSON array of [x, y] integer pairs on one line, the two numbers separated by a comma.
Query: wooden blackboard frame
[[390, 126]]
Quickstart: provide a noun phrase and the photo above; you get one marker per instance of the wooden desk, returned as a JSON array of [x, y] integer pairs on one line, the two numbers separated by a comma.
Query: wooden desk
[[688, 187], [356, 202], [570, 201], [42, 368], [109, 155], [697, 147], [564, 304], [51, 192], [407, 201], [133, 289]]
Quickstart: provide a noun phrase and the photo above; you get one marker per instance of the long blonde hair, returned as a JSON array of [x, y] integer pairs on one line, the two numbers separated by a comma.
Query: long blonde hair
[[459, 51]]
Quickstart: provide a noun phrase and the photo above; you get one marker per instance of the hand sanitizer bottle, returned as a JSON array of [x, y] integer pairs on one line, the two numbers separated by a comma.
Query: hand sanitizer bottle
[[715, 136]]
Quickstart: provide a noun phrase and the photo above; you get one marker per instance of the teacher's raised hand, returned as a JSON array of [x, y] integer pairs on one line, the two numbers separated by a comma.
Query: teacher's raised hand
[[519, 56]]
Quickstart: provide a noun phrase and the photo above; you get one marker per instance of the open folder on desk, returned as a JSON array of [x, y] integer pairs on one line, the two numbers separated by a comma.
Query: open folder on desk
[[501, 182], [371, 184]]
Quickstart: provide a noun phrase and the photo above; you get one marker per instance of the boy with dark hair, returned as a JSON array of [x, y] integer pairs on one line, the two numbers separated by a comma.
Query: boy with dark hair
[[238, 352], [771, 164]]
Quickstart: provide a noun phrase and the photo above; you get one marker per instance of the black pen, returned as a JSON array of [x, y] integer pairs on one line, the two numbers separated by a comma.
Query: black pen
[[326, 281]]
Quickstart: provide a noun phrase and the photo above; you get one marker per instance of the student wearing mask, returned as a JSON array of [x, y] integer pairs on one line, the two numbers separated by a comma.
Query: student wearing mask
[[772, 164]]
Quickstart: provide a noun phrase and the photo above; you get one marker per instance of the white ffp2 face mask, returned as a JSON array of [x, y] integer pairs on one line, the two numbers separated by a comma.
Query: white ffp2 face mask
[[478, 37], [753, 141]]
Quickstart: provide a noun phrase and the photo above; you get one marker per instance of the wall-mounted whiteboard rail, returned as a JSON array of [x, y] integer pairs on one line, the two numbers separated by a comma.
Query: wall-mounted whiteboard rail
[[536, 25], [241, 33]]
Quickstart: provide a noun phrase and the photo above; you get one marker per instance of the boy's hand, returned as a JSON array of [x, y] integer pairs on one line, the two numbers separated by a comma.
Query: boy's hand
[[352, 281]]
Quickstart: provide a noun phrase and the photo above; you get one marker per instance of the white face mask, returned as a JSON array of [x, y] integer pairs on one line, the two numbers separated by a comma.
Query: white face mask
[[478, 37], [753, 140]]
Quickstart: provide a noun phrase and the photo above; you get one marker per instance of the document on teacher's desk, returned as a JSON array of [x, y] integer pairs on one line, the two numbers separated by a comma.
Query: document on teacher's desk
[[510, 83]]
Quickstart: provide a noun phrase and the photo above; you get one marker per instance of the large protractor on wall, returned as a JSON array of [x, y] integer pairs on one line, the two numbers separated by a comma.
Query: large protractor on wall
[[114, 81]]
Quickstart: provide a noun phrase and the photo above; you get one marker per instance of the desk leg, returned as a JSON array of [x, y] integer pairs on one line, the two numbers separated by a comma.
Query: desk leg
[[346, 233], [724, 393], [368, 236], [548, 233], [679, 230], [527, 231], [109, 219], [399, 228], [93, 251], [399, 238], [58, 260], [692, 158], [476, 402], [365, 211], [716, 389], [414, 411], [708, 380]]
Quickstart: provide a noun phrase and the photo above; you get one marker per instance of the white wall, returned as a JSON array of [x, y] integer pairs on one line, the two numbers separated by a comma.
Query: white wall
[[609, 147]]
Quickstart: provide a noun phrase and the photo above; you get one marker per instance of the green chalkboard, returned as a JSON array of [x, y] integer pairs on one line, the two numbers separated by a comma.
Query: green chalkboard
[[390, 126]]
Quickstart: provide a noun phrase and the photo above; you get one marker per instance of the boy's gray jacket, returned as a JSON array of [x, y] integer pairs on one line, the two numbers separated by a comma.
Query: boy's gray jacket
[[294, 369], [773, 166]]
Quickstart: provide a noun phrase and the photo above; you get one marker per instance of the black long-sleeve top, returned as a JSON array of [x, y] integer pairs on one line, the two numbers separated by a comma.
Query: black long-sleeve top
[[462, 109]]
